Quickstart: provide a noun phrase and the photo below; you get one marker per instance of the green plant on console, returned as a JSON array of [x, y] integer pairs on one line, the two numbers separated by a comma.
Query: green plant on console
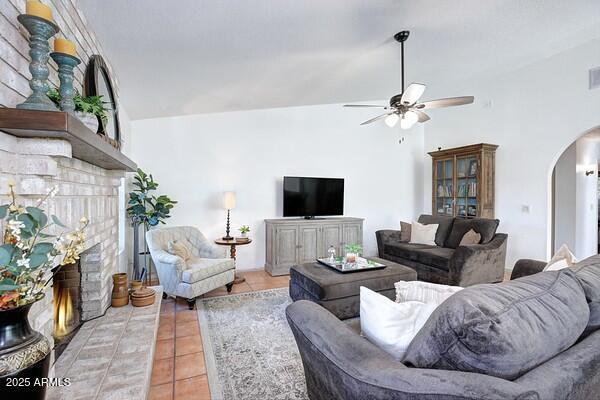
[[146, 209], [353, 248]]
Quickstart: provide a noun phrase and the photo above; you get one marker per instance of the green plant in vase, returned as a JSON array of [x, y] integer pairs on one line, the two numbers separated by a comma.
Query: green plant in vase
[[244, 229], [146, 210], [89, 109], [27, 254], [352, 251]]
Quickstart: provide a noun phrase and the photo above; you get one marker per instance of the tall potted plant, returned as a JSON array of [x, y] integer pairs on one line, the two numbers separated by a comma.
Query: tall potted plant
[[147, 210], [27, 254]]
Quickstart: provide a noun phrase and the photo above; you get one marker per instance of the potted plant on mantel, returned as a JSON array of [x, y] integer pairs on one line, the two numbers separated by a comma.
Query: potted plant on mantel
[[90, 110], [27, 254], [145, 210]]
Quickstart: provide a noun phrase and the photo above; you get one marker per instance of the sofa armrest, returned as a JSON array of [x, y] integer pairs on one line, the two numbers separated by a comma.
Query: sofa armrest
[[384, 237], [480, 263], [525, 267], [339, 364]]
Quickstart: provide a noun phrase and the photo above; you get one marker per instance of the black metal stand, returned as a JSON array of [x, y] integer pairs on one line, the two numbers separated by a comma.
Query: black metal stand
[[227, 236]]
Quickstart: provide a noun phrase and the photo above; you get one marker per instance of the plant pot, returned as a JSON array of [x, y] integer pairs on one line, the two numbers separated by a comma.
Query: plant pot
[[24, 356], [89, 120], [120, 292], [244, 235]]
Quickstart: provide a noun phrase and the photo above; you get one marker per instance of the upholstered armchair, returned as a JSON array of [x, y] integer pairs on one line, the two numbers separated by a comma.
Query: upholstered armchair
[[207, 269]]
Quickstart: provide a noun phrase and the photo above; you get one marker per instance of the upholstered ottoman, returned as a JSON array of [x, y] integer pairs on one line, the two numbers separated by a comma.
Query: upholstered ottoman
[[338, 292]]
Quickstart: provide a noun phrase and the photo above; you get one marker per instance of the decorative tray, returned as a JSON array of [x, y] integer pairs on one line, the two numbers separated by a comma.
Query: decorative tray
[[362, 264]]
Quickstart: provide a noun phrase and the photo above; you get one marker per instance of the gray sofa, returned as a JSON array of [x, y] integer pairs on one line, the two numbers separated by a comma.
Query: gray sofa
[[340, 364], [447, 262]]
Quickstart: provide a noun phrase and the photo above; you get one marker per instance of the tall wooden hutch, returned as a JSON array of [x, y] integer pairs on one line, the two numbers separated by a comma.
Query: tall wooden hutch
[[463, 181]]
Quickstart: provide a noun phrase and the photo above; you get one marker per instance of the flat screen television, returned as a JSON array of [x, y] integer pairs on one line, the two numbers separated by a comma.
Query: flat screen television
[[312, 197]]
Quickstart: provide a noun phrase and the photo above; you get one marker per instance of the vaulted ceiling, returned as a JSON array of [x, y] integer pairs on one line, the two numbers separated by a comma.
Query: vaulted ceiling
[[201, 56]]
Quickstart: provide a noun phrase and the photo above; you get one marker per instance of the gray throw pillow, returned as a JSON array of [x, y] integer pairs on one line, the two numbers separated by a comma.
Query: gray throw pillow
[[503, 329]]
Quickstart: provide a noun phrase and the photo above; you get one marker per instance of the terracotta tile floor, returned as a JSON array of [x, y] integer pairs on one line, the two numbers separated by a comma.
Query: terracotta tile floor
[[179, 372]]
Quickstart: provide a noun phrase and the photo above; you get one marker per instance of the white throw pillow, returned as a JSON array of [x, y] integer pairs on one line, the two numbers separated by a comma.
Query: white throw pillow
[[425, 292], [391, 326], [423, 234], [563, 258]]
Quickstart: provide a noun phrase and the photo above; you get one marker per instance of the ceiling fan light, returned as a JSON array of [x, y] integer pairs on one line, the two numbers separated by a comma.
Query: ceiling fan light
[[391, 120], [411, 117], [407, 122]]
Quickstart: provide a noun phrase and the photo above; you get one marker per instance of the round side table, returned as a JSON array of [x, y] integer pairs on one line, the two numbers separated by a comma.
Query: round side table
[[232, 253]]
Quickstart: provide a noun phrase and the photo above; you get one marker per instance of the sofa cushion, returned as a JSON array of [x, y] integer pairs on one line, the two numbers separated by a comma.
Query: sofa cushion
[[504, 329], [588, 273], [434, 256], [484, 226], [445, 225], [199, 269]]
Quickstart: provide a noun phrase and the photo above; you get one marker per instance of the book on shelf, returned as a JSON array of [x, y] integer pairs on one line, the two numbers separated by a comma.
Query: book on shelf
[[444, 190]]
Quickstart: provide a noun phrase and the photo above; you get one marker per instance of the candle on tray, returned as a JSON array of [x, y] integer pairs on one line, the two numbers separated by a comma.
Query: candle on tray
[[38, 9], [64, 46]]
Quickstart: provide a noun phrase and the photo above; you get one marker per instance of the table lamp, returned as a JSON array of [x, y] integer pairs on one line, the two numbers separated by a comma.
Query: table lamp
[[229, 204]]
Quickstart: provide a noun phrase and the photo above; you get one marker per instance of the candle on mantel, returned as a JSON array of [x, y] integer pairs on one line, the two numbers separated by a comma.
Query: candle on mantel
[[38, 9], [64, 46]]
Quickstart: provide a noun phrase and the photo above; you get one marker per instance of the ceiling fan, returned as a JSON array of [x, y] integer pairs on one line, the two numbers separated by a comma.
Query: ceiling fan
[[404, 107]]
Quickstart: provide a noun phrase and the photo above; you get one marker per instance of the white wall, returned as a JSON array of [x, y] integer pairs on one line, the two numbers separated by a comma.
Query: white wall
[[533, 114], [565, 199], [196, 158]]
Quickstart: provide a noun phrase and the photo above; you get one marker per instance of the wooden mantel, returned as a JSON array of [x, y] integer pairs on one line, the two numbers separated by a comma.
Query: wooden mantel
[[86, 145]]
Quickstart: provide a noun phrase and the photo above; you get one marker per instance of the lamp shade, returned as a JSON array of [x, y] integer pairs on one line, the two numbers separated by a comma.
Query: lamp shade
[[229, 200]]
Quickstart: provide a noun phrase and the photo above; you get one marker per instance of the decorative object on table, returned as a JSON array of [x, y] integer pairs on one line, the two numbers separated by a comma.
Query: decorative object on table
[[142, 297], [360, 264], [352, 252], [147, 210], [27, 255], [239, 278], [39, 24], [88, 110], [120, 293], [404, 107], [244, 229], [64, 56], [331, 254], [228, 204], [97, 82]]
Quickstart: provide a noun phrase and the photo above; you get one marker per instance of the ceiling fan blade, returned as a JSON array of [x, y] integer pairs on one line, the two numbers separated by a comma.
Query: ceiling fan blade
[[422, 116], [364, 105], [448, 102], [377, 118], [412, 94]]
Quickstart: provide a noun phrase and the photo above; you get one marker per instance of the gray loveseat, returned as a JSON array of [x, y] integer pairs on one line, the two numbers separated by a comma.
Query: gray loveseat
[[339, 364], [447, 262]]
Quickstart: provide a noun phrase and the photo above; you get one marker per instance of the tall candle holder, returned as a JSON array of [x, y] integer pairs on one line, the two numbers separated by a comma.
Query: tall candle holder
[[40, 31], [66, 65]]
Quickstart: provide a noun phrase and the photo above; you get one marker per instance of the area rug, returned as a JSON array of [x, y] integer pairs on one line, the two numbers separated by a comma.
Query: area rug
[[249, 349]]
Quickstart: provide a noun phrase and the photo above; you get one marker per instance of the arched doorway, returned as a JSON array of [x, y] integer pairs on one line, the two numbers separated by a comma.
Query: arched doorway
[[574, 196]]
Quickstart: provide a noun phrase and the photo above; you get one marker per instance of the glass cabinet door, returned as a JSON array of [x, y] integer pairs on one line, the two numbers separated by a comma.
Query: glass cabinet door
[[466, 186], [444, 191]]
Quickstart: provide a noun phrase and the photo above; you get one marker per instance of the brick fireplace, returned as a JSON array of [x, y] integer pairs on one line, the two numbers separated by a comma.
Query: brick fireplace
[[37, 164]]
